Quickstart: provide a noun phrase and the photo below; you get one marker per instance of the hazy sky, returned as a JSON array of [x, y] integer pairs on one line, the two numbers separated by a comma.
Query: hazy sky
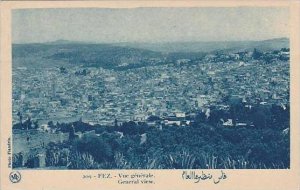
[[150, 24]]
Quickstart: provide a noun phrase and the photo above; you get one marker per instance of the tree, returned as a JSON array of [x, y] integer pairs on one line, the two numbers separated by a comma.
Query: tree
[[260, 119], [27, 124], [72, 133], [96, 147], [36, 125], [235, 106], [153, 118], [129, 128], [20, 117], [256, 54], [116, 123], [51, 124]]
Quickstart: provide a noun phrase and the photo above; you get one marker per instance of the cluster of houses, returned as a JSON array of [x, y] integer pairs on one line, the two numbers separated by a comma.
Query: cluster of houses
[[270, 56]]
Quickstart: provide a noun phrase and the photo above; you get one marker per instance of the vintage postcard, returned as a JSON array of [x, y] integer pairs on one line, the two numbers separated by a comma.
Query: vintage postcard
[[150, 95]]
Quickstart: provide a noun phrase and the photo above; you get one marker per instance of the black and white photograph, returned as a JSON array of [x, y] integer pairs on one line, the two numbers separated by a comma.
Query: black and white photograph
[[151, 88]]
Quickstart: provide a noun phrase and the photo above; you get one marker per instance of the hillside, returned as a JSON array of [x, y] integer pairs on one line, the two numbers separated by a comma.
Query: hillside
[[103, 55], [100, 55], [128, 55], [208, 46]]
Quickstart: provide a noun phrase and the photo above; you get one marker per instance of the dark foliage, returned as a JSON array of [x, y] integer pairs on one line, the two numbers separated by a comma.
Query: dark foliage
[[263, 143]]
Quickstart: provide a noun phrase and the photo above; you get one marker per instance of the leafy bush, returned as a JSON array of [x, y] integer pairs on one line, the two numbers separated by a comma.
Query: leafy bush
[[96, 147], [82, 161]]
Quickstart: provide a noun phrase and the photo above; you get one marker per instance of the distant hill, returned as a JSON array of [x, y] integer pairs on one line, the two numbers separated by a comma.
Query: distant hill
[[102, 55], [129, 55], [209, 46]]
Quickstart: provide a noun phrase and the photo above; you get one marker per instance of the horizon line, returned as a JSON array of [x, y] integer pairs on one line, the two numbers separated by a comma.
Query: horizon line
[[141, 42]]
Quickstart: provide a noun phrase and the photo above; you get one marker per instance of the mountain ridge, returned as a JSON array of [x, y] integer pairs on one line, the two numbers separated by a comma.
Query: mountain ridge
[[131, 55]]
